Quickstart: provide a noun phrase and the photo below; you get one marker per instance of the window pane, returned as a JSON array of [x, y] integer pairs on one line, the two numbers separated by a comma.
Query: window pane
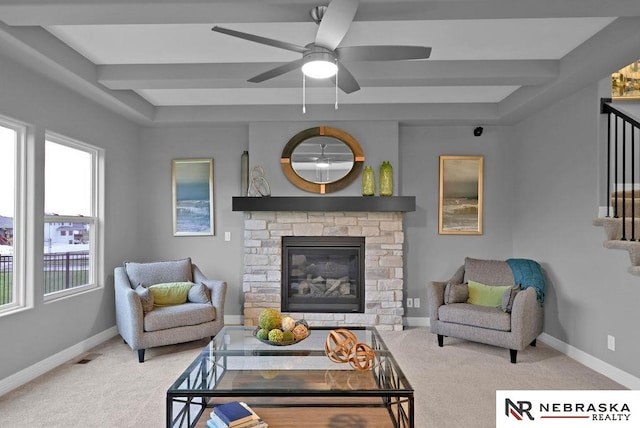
[[8, 140], [69, 217], [66, 255], [68, 180]]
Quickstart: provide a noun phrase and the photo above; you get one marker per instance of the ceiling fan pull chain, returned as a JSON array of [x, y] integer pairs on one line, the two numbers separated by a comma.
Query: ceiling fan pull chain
[[337, 70], [304, 90]]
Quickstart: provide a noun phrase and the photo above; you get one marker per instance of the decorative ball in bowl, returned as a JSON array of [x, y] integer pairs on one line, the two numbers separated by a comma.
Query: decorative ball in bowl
[[277, 330]]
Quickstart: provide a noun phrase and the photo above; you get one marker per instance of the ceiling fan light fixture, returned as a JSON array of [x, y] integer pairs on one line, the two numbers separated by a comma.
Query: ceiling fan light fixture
[[323, 163], [319, 65]]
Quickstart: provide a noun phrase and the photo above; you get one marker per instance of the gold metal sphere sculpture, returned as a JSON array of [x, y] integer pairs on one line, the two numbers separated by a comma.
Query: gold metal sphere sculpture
[[362, 357], [342, 346], [339, 344]]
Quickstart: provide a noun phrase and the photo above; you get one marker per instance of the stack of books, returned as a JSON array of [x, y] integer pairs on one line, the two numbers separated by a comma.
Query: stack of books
[[235, 414]]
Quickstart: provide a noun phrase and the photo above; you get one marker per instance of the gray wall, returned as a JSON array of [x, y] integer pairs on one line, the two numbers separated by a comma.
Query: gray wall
[[433, 257], [218, 259], [33, 335], [557, 181]]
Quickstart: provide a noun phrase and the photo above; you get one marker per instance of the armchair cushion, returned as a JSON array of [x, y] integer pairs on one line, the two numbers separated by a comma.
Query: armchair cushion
[[159, 272], [486, 295], [170, 293], [493, 272], [167, 317], [482, 317]]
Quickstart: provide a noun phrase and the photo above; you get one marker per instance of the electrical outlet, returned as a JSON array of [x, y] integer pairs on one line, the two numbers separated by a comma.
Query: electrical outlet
[[409, 303], [611, 342], [416, 302], [227, 236]]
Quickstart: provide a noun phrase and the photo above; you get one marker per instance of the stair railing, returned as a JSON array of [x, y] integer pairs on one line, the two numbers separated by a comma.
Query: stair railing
[[621, 163]]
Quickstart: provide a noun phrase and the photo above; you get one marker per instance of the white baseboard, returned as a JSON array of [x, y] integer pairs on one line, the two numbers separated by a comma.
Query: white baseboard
[[233, 320], [592, 362], [416, 321], [23, 376]]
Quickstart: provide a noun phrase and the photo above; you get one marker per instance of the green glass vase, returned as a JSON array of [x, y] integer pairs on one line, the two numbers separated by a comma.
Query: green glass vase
[[386, 179], [368, 181]]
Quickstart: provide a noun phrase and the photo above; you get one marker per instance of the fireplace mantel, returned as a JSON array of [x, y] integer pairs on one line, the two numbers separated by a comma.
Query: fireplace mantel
[[325, 203]]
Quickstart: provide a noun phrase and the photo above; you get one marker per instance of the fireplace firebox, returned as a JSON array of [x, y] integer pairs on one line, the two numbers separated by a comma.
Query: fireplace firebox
[[323, 274]]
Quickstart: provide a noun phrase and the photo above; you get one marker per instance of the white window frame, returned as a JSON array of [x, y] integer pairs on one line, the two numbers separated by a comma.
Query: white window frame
[[95, 278], [22, 296]]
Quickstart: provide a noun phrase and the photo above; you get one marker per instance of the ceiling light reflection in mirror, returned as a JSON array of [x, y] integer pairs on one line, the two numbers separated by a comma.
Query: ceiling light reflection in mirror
[[322, 159]]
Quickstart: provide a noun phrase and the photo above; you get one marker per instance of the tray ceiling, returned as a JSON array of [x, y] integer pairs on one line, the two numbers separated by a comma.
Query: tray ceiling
[[492, 61]]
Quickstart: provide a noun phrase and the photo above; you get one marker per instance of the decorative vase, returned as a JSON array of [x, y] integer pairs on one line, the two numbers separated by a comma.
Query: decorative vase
[[386, 179], [368, 181], [244, 173]]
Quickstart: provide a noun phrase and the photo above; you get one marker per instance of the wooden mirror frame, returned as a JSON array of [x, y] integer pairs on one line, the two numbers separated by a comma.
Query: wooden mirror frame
[[322, 131]]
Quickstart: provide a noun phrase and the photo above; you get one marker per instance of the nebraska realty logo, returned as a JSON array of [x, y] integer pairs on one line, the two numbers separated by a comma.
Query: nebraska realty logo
[[620, 408]]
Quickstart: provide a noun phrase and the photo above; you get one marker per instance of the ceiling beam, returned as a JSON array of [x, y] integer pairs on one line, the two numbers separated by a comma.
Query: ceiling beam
[[442, 114], [96, 12], [39, 50], [405, 73], [616, 46]]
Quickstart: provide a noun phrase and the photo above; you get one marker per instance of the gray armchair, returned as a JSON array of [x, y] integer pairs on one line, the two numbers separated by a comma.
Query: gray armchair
[[515, 328], [167, 325]]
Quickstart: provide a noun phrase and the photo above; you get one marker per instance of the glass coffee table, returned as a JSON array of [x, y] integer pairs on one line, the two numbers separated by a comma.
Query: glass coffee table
[[292, 386]]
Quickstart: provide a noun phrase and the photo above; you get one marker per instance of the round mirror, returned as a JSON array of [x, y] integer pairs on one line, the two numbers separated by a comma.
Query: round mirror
[[322, 159]]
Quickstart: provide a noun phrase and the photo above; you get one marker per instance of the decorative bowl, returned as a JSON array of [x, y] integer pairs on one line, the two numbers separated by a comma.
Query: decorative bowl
[[268, 342]]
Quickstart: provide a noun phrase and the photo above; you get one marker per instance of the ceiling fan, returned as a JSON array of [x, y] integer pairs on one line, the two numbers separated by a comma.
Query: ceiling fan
[[323, 58]]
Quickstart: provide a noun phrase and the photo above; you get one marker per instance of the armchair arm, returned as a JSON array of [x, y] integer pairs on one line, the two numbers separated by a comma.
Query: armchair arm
[[435, 296], [129, 314], [526, 317], [218, 291]]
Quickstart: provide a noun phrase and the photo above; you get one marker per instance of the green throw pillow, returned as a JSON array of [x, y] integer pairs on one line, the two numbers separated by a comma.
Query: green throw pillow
[[486, 295], [170, 293]]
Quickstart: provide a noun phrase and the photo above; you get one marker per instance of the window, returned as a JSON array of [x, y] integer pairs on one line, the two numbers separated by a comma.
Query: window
[[72, 204], [13, 293]]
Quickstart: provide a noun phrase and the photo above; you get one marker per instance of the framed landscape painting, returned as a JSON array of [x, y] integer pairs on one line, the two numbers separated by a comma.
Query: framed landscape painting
[[460, 202], [192, 186]]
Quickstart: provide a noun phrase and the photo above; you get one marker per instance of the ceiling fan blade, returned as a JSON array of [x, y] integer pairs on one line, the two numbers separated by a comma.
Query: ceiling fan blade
[[382, 53], [259, 39], [346, 82], [275, 72], [335, 23]]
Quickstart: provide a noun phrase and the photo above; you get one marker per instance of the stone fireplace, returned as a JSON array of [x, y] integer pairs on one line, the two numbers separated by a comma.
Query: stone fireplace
[[383, 269]]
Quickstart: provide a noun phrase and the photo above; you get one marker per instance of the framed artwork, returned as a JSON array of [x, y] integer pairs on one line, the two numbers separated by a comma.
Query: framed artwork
[[192, 187], [460, 202]]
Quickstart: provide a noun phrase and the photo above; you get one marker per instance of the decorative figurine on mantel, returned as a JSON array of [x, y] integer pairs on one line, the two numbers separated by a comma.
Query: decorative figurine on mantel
[[259, 185]]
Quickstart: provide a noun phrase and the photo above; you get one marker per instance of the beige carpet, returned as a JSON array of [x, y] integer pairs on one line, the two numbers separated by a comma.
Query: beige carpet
[[455, 385]]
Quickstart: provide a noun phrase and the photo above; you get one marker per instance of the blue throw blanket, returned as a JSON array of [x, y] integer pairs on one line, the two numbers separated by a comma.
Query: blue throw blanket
[[528, 273]]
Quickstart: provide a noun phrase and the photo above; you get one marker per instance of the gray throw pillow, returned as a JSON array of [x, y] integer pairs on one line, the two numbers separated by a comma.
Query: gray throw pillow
[[508, 297], [146, 298], [199, 293], [456, 293]]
